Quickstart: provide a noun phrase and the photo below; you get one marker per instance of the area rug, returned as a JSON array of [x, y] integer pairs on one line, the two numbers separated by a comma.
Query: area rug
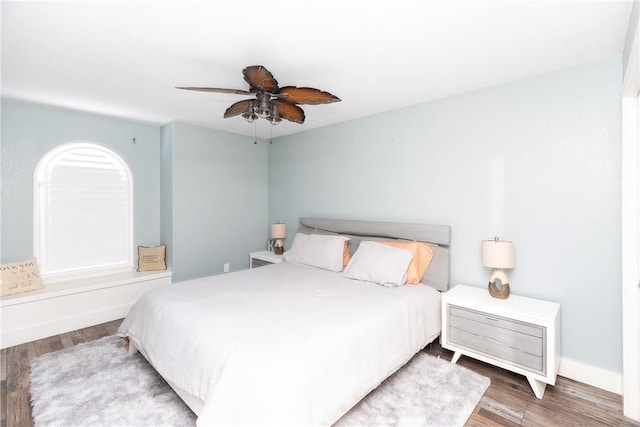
[[98, 384], [427, 391]]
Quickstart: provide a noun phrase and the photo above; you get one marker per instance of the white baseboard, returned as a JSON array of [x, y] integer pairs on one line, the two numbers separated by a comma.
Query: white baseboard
[[597, 377]]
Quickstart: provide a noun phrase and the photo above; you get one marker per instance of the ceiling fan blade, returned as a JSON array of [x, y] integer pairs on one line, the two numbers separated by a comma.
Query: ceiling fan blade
[[259, 77], [215, 89], [237, 108], [307, 95], [291, 112]]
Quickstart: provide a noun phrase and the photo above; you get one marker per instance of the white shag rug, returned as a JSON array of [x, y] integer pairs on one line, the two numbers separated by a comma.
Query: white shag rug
[[427, 391], [98, 384]]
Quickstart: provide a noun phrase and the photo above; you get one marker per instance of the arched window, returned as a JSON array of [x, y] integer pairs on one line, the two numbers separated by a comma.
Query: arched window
[[83, 211]]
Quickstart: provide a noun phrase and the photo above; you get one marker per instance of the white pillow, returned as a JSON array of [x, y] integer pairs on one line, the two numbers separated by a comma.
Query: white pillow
[[317, 250], [378, 263]]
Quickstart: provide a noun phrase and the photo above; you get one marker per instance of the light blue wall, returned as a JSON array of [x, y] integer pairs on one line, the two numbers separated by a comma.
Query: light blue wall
[[30, 130], [536, 161], [219, 200], [200, 191]]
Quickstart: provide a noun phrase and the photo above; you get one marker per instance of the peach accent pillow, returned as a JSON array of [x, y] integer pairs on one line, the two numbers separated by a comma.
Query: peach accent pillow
[[422, 256], [346, 256]]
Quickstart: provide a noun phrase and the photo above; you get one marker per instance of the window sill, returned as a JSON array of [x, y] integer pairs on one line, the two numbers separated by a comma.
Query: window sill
[[61, 288]]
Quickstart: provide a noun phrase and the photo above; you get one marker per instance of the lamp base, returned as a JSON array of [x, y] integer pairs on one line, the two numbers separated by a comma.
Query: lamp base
[[499, 290], [278, 247]]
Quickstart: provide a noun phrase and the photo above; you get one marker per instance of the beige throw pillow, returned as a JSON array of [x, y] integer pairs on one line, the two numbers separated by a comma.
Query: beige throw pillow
[[151, 258], [21, 276]]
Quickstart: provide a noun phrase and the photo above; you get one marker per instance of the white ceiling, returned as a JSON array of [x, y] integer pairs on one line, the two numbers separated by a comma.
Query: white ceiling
[[123, 58]]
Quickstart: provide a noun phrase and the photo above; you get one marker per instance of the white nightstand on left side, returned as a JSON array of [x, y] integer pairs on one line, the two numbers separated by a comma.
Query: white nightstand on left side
[[258, 259]]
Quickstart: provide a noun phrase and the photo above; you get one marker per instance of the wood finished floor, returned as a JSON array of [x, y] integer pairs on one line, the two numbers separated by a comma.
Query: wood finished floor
[[508, 402]]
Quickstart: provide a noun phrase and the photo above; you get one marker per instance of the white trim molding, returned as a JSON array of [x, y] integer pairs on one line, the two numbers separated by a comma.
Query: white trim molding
[[630, 259], [630, 224], [591, 375]]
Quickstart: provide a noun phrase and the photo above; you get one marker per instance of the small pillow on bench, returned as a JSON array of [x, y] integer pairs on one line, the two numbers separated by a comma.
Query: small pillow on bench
[[152, 258], [18, 277]]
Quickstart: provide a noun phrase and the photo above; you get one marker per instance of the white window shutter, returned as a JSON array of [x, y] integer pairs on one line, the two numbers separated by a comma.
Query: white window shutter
[[83, 211]]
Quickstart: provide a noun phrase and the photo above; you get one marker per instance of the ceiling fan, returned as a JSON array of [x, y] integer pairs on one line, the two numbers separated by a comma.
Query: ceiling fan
[[271, 102]]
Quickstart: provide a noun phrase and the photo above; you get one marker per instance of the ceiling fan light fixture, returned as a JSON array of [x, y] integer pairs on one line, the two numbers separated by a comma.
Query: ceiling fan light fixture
[[250, 114], [263, 109], [275, 119], [264, 113]]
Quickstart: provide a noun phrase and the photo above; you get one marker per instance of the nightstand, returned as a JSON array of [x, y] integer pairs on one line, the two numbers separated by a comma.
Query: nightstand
[[519, 334], [258, 259]]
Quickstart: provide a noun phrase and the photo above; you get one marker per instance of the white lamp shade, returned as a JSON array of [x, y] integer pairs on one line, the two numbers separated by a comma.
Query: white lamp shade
[[278, 230], [497, 253]]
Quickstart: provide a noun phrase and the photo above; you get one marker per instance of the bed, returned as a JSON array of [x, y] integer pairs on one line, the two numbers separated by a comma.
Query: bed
[[290, 343]]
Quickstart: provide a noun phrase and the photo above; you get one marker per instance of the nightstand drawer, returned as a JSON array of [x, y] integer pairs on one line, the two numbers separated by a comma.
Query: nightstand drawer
[[262, 258], [255, 262], [497, 321], [497, 349], [513, 341]]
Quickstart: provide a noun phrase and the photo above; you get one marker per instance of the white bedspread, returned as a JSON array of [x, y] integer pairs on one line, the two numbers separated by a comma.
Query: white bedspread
[[282, 344]]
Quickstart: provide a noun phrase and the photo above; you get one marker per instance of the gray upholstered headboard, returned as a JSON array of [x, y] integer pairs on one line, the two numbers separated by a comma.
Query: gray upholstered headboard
[[436, 236]]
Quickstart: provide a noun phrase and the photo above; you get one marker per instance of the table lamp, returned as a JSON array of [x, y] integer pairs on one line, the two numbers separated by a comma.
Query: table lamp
[[498, 254], [278, 232]]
